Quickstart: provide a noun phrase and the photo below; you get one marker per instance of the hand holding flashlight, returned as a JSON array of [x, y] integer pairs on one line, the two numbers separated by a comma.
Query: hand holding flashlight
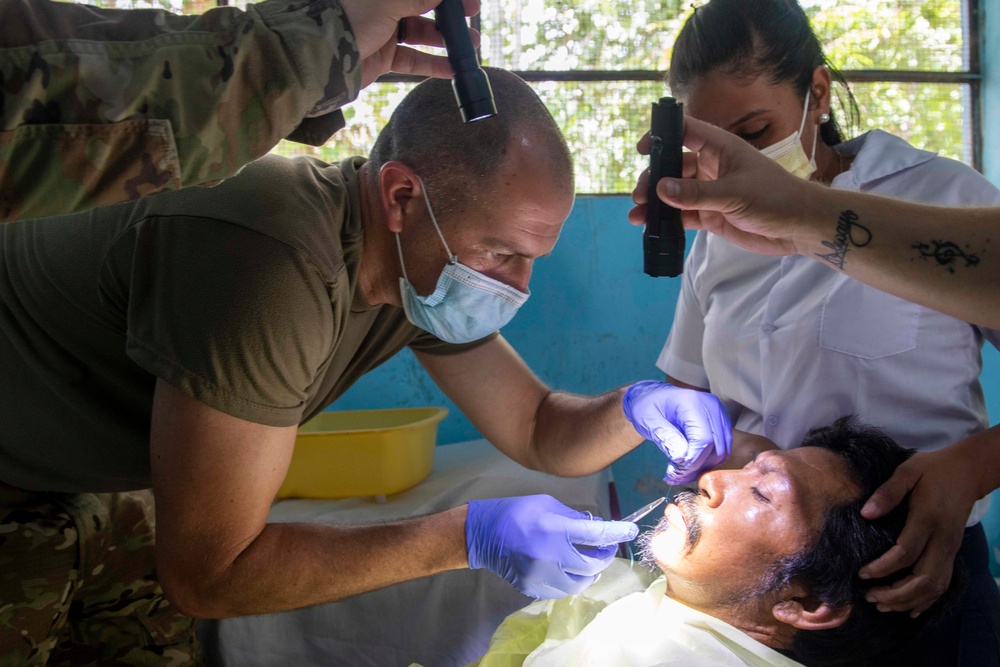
[[381, 28]]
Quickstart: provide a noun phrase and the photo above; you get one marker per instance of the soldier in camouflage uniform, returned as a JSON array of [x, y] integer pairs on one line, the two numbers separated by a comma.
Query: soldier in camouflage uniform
[[78, 583], [99, 106]]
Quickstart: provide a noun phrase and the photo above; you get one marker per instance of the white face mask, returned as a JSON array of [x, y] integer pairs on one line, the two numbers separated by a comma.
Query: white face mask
[[466, 305], [789, 152]]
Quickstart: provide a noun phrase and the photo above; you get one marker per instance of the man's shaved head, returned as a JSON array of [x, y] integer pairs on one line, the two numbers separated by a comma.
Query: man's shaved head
[[459, 160]]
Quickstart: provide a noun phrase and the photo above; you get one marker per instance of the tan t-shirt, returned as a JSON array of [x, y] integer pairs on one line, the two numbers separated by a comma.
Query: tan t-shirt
[[245, 296]]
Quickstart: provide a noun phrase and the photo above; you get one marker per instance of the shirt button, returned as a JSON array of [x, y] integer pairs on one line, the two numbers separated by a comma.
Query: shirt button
[[768, 328], [772, 420]]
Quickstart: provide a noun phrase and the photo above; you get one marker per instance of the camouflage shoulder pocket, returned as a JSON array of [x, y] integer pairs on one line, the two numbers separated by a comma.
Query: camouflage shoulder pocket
[[51, 169]]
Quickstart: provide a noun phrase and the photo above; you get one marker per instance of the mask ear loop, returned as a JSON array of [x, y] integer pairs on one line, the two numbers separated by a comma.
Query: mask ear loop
[[812, 158], [805, 115], [402, 264], [452, 259]]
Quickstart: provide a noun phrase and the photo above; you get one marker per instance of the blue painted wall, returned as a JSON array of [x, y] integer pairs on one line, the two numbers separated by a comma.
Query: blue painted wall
[[594, 321]]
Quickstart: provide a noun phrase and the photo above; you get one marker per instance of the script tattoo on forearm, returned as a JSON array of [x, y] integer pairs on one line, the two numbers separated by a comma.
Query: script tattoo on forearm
[[849, 234], [946, 254]]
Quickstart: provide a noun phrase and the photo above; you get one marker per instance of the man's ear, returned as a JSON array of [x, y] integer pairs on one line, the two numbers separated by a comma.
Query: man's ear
[[800, 609], [401, 194]]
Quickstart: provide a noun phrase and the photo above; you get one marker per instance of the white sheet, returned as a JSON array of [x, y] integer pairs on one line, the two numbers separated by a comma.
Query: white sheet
[[437, 621]]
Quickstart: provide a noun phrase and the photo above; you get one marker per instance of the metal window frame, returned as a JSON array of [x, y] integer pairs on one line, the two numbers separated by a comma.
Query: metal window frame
[[859, 75], [974, 45], [973, 76]]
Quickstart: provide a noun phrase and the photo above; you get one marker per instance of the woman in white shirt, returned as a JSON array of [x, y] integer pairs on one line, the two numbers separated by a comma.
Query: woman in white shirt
[[789, 343]]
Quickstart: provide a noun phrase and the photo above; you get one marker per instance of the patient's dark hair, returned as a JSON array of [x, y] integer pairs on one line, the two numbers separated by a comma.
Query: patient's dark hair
[[750, 38], [829, 566], [457, 160]]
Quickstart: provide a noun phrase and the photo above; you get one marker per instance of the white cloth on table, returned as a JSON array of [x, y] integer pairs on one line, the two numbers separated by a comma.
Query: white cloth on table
[[790, 344], [439, 621]]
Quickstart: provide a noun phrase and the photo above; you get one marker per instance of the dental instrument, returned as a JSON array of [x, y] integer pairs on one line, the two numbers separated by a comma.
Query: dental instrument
[[644, 510]]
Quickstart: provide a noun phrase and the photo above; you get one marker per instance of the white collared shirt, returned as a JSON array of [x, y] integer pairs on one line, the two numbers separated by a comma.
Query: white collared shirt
[[789, 344]]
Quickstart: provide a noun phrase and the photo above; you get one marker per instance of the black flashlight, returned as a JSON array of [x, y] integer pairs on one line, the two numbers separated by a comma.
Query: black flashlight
[[472, 87], [663, 239]]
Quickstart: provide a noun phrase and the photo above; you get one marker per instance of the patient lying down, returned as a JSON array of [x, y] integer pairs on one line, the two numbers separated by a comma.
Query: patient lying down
[[759, 568]]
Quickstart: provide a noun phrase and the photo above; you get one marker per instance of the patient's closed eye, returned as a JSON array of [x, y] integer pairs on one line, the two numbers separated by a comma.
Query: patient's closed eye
[[758, 495]]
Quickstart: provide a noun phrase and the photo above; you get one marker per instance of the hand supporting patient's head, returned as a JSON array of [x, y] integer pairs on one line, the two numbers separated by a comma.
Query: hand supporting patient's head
[[775, 548]]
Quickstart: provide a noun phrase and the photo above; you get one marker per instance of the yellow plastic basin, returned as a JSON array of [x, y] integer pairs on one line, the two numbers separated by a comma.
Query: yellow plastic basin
[[362, 453]]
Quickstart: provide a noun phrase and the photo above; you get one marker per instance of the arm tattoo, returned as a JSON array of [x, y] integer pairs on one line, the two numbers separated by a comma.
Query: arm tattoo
[[849, 233], [946, 254]]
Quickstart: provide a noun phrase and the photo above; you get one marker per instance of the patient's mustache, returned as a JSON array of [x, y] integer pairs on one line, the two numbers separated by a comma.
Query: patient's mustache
[[687, 503]]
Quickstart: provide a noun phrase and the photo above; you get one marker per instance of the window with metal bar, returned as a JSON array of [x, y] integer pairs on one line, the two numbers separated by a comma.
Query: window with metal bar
[[913, 66]]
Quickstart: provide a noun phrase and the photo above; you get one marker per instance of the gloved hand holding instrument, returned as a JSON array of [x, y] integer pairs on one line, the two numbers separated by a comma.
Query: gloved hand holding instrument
[[533, 542]]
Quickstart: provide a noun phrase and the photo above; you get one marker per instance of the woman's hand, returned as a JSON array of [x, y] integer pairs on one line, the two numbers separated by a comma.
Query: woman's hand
[[942, 487], [746, 447], [731, 189]]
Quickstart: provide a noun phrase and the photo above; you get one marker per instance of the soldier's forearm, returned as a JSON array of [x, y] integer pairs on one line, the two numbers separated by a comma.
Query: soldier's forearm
[[288, 566]]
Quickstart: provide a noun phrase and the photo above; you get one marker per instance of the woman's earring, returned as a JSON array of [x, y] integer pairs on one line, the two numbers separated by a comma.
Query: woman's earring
[[824, 118]]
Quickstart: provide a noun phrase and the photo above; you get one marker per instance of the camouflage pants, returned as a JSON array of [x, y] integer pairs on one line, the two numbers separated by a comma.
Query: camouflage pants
[[78, 583]]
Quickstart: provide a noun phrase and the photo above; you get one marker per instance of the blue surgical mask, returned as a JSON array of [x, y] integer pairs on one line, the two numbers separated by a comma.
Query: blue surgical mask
[[466, 305]]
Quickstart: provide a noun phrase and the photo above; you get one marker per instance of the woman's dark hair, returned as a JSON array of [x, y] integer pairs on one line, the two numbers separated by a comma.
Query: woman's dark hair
[[829, 566], [752, 38]]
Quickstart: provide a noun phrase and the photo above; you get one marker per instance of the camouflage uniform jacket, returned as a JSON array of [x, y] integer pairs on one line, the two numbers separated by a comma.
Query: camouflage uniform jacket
[[100, 105]]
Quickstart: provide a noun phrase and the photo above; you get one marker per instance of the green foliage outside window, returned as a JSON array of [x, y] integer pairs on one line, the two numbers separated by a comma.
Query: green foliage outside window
[[603, 120], [924, 35]]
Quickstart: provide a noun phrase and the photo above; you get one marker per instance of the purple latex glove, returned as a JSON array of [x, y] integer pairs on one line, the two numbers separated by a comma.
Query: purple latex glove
[[691, 427], [531, 541]]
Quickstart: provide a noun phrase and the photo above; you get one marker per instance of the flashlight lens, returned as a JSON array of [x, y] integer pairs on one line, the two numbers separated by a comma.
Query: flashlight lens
[[474, 95]]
